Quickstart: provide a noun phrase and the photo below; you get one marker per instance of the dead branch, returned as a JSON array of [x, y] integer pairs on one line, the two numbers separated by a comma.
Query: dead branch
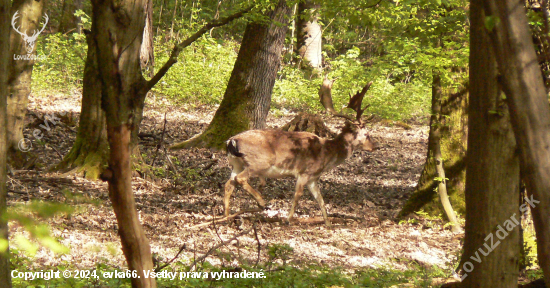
[[220, 245], [223, 219]]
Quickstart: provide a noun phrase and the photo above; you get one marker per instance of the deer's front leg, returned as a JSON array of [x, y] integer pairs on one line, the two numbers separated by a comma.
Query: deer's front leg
[[242, 179], [313, 187], [301, 181]]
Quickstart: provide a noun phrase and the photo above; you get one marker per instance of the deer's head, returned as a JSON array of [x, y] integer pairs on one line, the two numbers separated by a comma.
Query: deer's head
[[29, 40]]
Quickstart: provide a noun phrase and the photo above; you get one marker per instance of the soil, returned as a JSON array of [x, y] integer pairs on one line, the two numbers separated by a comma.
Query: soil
[[362, 196]]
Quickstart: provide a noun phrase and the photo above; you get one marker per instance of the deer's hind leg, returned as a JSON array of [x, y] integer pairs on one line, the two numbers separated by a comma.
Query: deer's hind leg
[[242, 179], [237, 167]]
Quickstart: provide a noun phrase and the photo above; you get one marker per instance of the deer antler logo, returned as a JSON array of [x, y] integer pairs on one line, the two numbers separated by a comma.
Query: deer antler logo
[[29, 40]]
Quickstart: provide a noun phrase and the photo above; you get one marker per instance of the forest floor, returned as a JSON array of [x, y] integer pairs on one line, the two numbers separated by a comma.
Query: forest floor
[[363, 197]]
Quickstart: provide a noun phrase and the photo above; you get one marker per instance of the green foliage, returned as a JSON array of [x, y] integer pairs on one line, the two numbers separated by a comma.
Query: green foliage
[[32, 218], [63, 69], [306, 275], [201, 73]]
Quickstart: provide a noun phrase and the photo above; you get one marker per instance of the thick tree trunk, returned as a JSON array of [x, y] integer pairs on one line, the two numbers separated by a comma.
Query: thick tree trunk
[[309, 38], [147, 56], [528, 102], [69, 22], [90, 150], [118, 50], [491, 245], [453, 128], [248, 95], [5, 275], [19, 71]]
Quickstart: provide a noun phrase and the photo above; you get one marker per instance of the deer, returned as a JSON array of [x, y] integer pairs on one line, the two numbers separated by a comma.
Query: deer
[[270, 153]]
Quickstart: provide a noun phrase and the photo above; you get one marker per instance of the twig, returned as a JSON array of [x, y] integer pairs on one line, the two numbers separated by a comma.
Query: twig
[[161, 141], [220, 245], [170, 161], [57, 151], [259, 245], [175, 257], [226, 218]]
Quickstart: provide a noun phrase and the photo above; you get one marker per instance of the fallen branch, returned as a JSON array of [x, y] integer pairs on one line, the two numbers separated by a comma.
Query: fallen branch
[[223, 219]]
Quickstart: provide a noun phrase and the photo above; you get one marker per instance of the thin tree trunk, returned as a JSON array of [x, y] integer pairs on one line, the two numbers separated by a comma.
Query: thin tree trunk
[[69, 22], [5, 276], [147, 55], [492, 175], [247, 98], [122, 82], [435, 136], [292, 30], [528, 103], [309, 42], [20, 71], [90, 151]]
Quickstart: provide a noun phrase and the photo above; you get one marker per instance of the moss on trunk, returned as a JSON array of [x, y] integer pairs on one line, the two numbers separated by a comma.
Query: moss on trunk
[[453, 148]]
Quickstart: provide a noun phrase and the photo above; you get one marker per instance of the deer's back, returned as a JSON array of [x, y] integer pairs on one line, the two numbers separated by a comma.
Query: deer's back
[[275, 153]]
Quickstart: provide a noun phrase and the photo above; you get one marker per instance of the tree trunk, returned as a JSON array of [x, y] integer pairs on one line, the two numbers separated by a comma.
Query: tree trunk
[[69, 22], [309, 42], [118, 51], [435, 137], [492, 176], [5, 275], [19, 72], [528, 102], [90, 150], [453, 128], [248, 95], [147, 55]]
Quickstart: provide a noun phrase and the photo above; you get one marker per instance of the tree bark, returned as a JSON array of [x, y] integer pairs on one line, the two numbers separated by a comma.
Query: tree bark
[[69, 22], [492, 173], [118, 40], [90, 151], [247, 98], [435, 137], [5, 276], [20, 72], [147, 55], [309, 42], [453, 128], [521, 80]]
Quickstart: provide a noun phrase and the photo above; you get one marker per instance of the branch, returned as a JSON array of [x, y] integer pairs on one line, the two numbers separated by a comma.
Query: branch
[[220, 245], [177, 49], [223, 219]]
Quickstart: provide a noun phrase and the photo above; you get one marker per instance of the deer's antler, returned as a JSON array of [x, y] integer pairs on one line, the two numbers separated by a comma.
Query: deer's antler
[[356, 101]]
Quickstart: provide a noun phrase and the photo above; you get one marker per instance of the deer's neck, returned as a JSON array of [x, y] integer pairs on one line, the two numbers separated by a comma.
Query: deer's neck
[[340, 148]]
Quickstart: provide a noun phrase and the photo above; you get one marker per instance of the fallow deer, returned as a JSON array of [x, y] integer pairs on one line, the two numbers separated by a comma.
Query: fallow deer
[[274, 154]]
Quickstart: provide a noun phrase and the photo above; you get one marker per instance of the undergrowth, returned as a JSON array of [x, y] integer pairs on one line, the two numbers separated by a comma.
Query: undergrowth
[[310, 275], [203, 69]]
